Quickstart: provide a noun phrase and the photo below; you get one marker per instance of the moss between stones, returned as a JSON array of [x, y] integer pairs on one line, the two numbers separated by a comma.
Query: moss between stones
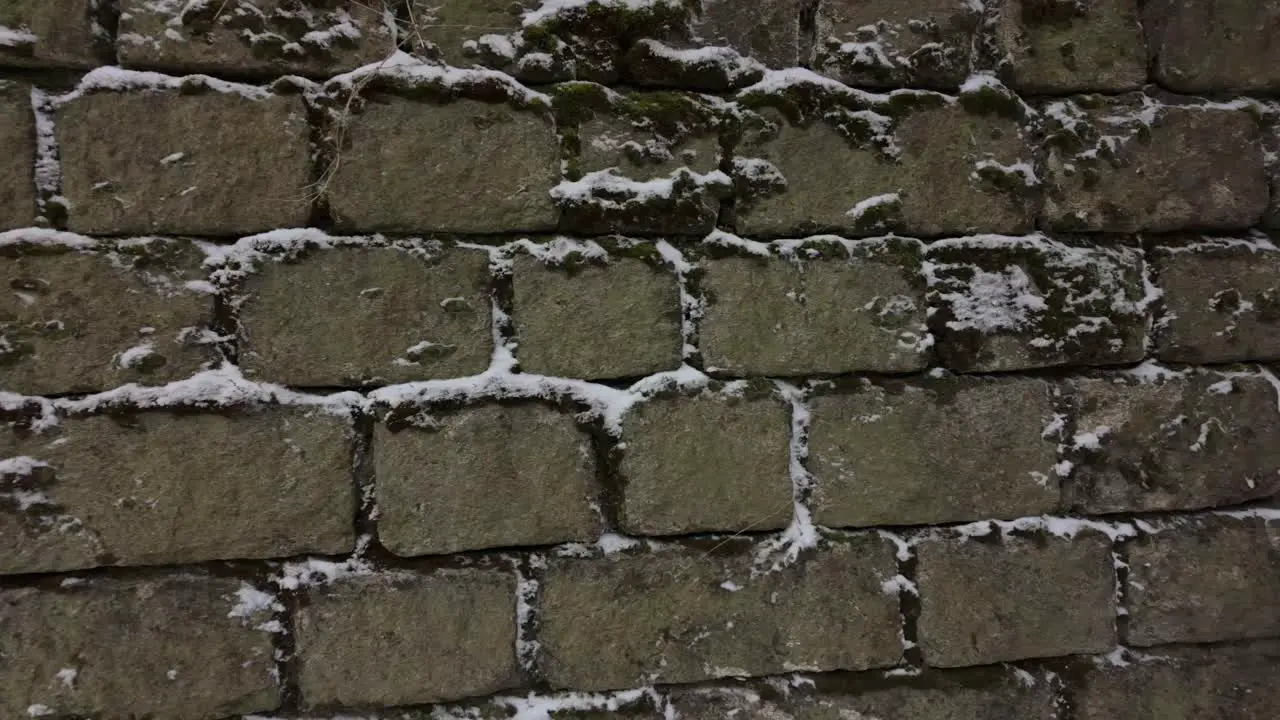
[[1060, 13], [672, 115]]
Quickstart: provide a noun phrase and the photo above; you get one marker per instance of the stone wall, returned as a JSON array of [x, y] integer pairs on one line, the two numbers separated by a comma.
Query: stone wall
[[812, 359]]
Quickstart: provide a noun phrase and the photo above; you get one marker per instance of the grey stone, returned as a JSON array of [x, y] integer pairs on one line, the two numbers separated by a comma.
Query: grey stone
[[1003, 701], [1129, 164], [397, 174], [597, 321], [887, 43], [1219, 683], [954, 450], [705, 463], [182, 163], [683, 616], [367, 315], [314, 37], [403, 639], [1205, 47], [18, 153], [1011, 303], [437, 486], [1182, 444], [642, 153], [860, 309], [827, 177], [1058, 46], [1221, 302], [984, 602], [89, 320], [767, 30], [167, 648], [52, 33], [154, 488], [1210, 582], [451, 30]]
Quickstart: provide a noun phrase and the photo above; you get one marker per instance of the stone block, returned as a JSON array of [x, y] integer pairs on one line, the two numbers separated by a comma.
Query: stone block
[[986, 602], [1182, 444], [98, 315], [1129, 164], [264, 37], [644, 163], [1204, 582], [1061, 46], [946, 701], [1219, 682], [52, 34], [17, 156], [766, 30], [617, 318], [436, 485], [395, 174], [847, 307], [982, 453], [1011, 303], [937, 169], [1221, 302], [1221, 46], [684, 616], [464, 33], [364, 315], [403, 640], [176, 647], [891, 43], [182, 163], [706, 463], [151, 488]]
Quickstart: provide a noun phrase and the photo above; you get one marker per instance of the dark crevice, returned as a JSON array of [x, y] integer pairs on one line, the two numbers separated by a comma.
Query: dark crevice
[[105, 14], [1120, 553]]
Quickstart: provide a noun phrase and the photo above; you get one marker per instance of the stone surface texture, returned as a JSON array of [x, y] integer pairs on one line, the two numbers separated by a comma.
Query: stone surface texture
[[18, 149]]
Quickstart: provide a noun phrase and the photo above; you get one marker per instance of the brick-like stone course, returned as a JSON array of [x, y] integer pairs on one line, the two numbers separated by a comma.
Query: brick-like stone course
[[18, 150], [175, 647], [678, 617], [1204, 583], [153, 487]]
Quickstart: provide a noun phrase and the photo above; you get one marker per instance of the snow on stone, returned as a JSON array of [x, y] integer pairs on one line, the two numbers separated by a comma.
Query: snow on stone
[[39, 710], [251, 601], [547, 707], [560, 249], [720, 238], [550, 8], [730, 62], [897, 585], [135, 356], [402, 67], [1090, 440], [864, 206], [113, 78], [1022, 169], [47, 238], [1002, 300], [1066, 528], [801, 534], [16, 37], [605, 187], [317, 571], [67, 676]]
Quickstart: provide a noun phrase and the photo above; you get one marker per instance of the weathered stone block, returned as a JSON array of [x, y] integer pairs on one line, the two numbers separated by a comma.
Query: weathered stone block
[[436, 485], [645, 163], [1181, 444], [984, 602], [767, 30], [1204, 583], [1058, 46], [169, 648], [1009, 303], [1224, 45], [154, 488], [1129, 164], [17, 156], [403, 639], [946, 701], [706, 463], [183, 163], [886, 172], [1221, 302], [1219, 682], [89, 318], [832, 308], [396, 175], [610, 319], [982, 453], [313, 37], [887, 43], [367, 315], [51, 33], [684, 616], [463, 33]]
